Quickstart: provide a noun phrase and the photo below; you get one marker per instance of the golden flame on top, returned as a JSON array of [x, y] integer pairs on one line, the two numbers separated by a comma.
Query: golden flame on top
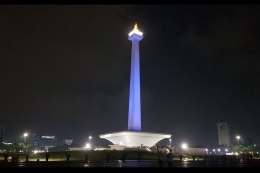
[[135, 26], [135, 31]]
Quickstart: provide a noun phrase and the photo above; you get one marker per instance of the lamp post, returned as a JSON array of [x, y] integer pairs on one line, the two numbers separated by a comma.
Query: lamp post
[[238, 137], [25, 142], [25, 135], [88, 145], [184, 146], [89, 138], [226, 150]]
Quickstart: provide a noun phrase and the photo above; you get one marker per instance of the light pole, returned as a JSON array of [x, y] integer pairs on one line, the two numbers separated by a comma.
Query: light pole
[[184, 147], [88, 145], [238, 137], [25, 143], [226, 150], [25, 135], [89, 138]]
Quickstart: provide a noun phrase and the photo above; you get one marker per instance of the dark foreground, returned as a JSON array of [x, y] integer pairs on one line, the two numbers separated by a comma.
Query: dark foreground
[[135, 164]]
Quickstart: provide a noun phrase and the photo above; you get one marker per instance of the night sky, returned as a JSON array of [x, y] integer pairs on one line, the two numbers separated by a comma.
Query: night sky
[[65, 71]]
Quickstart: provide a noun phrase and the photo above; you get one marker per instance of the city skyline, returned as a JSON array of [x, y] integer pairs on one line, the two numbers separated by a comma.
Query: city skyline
[[65, 70]]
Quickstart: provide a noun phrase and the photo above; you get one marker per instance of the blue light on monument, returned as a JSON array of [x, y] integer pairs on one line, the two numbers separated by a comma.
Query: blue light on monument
[[134, 113]]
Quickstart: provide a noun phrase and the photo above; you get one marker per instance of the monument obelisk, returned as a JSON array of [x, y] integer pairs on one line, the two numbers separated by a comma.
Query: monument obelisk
[[134, 137], [134, 112]]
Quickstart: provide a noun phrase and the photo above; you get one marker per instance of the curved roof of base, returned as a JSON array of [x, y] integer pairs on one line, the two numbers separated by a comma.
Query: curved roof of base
[[135, 138]]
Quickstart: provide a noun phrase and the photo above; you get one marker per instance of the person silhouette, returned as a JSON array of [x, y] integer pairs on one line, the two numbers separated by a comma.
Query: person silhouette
[[170, 158]]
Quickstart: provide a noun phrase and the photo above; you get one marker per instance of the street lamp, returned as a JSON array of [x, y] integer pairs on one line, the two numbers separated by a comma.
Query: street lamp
[[184, 146], [238, 137], [88, 145], [25, 135], [25, 143], [89, 138], [206, 151]]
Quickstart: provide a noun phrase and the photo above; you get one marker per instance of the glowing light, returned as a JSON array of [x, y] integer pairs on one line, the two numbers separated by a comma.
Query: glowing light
[[88, 145], [238, 137], [7, 143], [107, 136], [135, 31], [184, 146], [25, 135], [49, 137]]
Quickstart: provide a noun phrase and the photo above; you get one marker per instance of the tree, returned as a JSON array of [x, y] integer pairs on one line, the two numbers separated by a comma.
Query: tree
[[8, 148], [236, 148], [29, 147], [19, 147]]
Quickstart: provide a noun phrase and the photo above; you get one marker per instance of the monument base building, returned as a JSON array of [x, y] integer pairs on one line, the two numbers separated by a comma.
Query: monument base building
[[135, 139]]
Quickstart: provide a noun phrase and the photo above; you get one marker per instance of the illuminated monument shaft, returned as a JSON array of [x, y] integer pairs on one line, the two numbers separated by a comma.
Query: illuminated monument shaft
[[134, 113]]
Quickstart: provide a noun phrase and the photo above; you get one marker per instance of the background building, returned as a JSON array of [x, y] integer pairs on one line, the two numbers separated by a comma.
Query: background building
[[65, 142], [45, 142], [223, 134]]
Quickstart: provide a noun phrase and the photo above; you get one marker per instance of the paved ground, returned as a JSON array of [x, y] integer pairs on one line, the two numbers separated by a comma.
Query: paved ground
[[135, 164]]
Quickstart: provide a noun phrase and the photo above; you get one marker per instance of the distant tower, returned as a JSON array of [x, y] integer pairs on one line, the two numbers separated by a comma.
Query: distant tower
[[134, 112], [223, 134]]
